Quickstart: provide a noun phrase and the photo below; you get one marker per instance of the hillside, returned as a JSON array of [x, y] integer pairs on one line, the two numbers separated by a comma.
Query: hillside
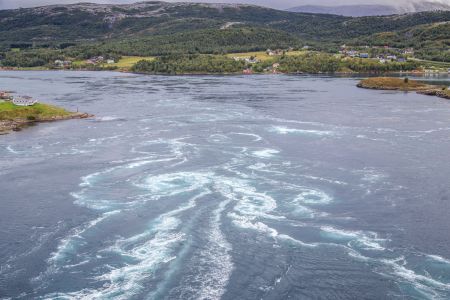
[[35, 36], [88, 22], [362, 10], [431, 41], [347, 10]]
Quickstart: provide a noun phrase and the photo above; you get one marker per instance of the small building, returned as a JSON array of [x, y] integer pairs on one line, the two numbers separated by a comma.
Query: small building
[[4, 95], [247, 71], [391, 57], [110, 61], [275, 66], [364, 55], [59, 63], [24, 101], [408, 51], [251, 60]]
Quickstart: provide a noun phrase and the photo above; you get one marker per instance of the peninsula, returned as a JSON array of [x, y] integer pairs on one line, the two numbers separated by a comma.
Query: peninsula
[[14, 117], [404, 84]]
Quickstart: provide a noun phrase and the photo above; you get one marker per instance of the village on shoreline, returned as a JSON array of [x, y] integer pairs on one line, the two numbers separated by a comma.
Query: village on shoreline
[[348, 60]]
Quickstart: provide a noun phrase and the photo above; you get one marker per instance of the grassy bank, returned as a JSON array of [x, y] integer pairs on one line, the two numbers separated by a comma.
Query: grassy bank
[[13, 117], [404, 84], [390, 83], [39, 111]]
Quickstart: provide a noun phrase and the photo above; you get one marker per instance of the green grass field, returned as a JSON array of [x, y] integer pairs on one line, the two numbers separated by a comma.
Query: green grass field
[[127, 62], [9, 111]]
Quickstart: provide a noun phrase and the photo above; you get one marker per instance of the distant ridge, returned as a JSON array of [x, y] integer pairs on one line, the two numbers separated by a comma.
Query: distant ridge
[[371, 10]]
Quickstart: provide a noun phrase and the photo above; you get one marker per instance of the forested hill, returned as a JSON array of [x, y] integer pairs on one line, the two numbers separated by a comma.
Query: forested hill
[[93, 22]]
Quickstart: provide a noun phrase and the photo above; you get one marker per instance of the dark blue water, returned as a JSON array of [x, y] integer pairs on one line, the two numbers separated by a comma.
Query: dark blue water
[[258, 187]]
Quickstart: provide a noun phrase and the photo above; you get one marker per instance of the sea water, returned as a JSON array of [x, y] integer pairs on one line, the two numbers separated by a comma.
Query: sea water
[[225, 187]]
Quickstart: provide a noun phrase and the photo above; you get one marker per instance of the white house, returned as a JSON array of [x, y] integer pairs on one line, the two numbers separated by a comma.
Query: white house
[[24, 101]]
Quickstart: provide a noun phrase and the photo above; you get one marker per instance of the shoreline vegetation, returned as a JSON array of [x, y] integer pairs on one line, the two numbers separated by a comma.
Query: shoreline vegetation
[[14, 117], [288, 61], [404, 84]]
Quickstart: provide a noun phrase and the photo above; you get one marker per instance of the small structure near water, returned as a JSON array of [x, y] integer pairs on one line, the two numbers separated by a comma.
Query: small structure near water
[[24, 101], [4, 95]]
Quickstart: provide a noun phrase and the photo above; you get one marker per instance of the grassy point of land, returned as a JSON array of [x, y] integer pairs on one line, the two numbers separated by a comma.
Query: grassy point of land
[[13, 117], [404, 84], [9, 111], [391, 83]]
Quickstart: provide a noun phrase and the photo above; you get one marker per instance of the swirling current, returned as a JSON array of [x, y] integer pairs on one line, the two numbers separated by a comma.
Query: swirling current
[[225, 187]]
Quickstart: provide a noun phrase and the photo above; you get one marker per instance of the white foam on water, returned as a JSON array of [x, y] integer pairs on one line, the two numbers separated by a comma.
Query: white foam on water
[[170, 184], [313, 197], [287, 130], [218, 138], [428, 286], [304, 212], [262, 167], [439, 259], [256, 138], [265, 153], [68, 246], [108, 119], [249, 201], [214, 267], [358, 240], [11, 150], [146, 253]]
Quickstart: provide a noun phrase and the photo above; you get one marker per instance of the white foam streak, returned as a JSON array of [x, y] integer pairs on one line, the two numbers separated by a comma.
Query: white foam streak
[[287, 130], [356, 239], [265, 153]]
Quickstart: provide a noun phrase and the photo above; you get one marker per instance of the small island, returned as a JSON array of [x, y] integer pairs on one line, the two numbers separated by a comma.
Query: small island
[[19, 112], [404, 84]]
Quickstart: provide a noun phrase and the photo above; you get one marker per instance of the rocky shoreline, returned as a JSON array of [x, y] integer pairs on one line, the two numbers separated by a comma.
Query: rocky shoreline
[[7, 126], [437, 93]]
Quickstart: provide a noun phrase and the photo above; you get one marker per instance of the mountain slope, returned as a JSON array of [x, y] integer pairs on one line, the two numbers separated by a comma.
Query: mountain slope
[[160, 28], [93, 22], [372, 10], [347, 10], [430, 41]]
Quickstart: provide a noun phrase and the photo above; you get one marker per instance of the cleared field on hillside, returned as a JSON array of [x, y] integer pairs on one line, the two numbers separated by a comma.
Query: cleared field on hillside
[[262, 55]]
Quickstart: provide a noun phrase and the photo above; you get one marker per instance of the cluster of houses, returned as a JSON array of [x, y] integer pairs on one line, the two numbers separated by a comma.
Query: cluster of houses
[[250, 60], [271, 69], [18, 100], [275, 52], [99, 60], [62, 63], [389, 54]]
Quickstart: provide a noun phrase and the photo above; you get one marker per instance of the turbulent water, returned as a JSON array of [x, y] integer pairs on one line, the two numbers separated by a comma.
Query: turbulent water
[[258, 187]]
